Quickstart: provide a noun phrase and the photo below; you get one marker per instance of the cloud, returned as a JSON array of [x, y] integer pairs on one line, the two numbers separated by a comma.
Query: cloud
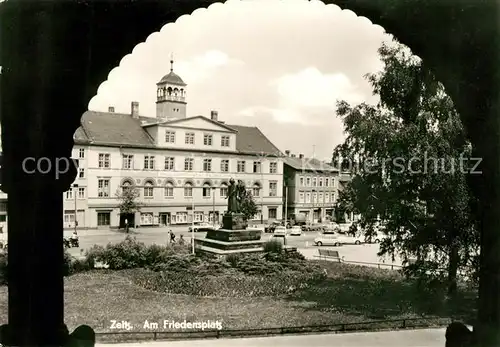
[[311, 88], [307, 97], [203, 66]]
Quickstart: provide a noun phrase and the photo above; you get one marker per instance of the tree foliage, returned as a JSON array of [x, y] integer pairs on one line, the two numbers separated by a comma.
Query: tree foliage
[[409, 155], [246, 202], [128, 200]]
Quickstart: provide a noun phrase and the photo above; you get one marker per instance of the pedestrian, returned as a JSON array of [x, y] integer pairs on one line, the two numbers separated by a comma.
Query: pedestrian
[[126, 225], [181, 240], [172, 237]]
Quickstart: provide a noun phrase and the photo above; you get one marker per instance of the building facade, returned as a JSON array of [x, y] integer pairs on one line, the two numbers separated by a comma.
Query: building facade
[[311, 187], [180, 165]]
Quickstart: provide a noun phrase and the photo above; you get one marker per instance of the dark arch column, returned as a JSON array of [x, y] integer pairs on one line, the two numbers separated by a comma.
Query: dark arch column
[[55, 54]]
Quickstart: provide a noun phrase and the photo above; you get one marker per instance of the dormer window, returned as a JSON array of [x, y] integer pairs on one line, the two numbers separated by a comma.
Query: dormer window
[[207, 139], [224, 141], [189, 138], [170, 137]]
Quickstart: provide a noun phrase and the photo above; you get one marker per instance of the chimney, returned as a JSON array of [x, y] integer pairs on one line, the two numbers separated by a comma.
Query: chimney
[[135, 109], [213, 115], [301, 156], [292, 155], [111, 109], [287, 153]]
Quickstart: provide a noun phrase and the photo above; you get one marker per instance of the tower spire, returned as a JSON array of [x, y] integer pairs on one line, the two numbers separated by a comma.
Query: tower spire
[[171, 62]]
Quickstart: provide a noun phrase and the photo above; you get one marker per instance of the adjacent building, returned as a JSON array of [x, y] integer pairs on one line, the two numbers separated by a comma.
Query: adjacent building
[[311, 187], [180, 165]]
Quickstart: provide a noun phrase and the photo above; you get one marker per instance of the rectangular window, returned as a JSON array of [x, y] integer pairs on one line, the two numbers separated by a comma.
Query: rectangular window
[[181, 217], [81, 153], [188, 192], [148, 190], [273, 167], [273, 213], [308, 197], [69, 193], [327, 182], [333, 197], [103, 218], [273, 188], [320, 182], [327, 197], [315, 197], [128, 161], [170, 137], [188, 164], [207, 139], [149, 162], [224, 141], [81, 172], [81, 193], [206, 192], [301, 181], [241, 166], [198, 217], [169, 192], [104, 160], [256, 166], [224, 165], [301, 197], [314, 181], [189, 138], [207, 165], [103, 188], [320, 197], [223, 192], [147, 218], [308, 181], [169, 163], [256, 192]]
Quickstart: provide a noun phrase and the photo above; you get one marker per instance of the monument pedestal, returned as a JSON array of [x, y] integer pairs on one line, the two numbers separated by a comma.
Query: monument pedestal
[[233, 237]]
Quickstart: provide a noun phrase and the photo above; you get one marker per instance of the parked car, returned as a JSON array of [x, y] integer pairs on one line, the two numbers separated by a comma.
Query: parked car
[[279, 231], [345, 239], [296, 231], [327, 240], [313, 227], [201, 227]]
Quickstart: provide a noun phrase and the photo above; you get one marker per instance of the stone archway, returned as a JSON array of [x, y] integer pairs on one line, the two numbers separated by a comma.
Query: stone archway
[[56, 54]]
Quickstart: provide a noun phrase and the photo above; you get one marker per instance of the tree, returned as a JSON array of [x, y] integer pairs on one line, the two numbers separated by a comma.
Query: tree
[[246, 202], [128, 202], [407, 153]]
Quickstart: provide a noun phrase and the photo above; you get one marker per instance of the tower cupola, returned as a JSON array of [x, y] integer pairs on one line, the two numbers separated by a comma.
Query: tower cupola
[[171, 96]]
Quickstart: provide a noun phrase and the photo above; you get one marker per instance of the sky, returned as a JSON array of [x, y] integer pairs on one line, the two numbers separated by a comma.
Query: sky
[[277, 65]]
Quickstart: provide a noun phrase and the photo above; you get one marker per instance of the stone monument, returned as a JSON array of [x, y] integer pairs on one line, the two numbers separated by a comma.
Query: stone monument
[[234, 236]]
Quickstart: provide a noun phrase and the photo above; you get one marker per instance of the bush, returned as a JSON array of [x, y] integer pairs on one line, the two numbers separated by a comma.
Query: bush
[[273, 246], [130, 254], [229, 284]]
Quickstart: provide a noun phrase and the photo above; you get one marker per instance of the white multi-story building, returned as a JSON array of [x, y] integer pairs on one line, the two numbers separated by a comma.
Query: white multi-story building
[[181, 165]]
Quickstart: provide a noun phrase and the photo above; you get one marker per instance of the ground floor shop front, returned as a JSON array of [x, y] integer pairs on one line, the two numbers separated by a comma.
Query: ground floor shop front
[[157, 216]]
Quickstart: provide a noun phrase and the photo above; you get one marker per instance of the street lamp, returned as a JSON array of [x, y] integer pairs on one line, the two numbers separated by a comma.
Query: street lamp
[[312, 198], [261, 192], [213, 206], [75, 186], [192, 220]]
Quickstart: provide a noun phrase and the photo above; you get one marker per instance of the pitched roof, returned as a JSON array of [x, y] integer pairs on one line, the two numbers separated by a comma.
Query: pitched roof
[[180, 120], [172, 78], [308, 164], [109, 128], [251, 140], [119, 129]]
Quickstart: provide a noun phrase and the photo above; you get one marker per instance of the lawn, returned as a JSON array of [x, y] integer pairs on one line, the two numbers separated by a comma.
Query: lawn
[[349, 294]]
